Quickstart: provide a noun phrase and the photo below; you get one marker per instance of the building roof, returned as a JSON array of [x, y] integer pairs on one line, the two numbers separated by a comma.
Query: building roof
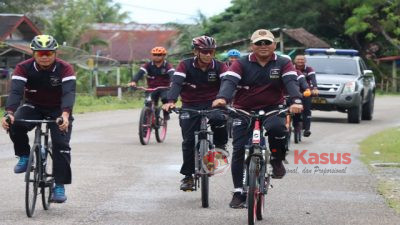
[[130, 42], [305, 38], [9, 23]]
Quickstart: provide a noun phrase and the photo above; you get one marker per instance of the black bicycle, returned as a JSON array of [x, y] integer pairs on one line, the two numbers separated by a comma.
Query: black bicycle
[[257, 176], [151, 117], [39, 172], [206, 158]]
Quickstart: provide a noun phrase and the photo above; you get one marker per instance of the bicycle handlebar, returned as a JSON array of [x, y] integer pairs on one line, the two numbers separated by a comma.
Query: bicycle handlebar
[[149, 89], [254, 114], [58, 121], [198, 111]]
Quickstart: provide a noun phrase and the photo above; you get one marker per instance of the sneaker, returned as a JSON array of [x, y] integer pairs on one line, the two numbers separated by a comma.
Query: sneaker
[[22, 164], [238, 200], [58, 195], [278, 170], [306, 133], [187, 183]]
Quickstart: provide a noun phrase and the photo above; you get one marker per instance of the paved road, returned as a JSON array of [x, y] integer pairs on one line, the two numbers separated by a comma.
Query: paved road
[[118, 181]]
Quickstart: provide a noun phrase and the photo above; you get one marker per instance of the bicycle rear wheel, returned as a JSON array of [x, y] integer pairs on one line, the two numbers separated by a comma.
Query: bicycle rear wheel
[[161, 126], [253, 191], [47, 183], [204, 177], [32, 180], [145, 126]]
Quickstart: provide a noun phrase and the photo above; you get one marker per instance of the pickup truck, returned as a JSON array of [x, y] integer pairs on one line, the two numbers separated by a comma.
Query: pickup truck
[[345, 84]]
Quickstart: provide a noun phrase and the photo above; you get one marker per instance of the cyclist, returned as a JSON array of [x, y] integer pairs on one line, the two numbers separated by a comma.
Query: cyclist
[[48, 85], [159, 72], [233, 55], [197, 81], [304, 88], [309, 73], [266, 75]]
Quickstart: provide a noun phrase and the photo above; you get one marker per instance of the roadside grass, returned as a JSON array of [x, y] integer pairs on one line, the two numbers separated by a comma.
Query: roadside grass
[[384, 147], [382, 93], [85, 103]]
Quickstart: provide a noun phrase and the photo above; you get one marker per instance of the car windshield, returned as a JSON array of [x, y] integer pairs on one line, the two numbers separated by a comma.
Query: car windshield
[[343, 66]]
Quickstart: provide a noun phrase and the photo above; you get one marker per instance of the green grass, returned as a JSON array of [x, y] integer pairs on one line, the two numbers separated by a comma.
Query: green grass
[[387, 144], [84, 104], [382, 147], [390, 190], [382, 93]]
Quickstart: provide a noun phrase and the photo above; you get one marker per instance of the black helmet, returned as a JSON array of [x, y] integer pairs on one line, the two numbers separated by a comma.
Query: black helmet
[[204, 42], [44, 42]]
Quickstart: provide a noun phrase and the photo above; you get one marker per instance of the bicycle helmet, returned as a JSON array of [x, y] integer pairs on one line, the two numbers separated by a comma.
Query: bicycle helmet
[[204, 42], [159, 50], [233, 53], [44, 42]]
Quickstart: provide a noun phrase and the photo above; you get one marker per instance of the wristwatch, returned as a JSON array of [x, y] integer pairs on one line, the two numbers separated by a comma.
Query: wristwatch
[[6, 113], [297, 101]]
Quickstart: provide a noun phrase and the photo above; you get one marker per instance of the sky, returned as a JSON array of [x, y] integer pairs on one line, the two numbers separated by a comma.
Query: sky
[[164, 11]]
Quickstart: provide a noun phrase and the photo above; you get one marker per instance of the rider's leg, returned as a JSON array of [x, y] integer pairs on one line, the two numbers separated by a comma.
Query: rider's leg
[[61, 157], [307, 116], [276, 131], [218, 126], [19, 135], [241, 137], [189, 125]]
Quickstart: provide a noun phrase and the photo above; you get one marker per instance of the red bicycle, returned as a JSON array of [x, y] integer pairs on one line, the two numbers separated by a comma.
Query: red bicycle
[[151, 117]]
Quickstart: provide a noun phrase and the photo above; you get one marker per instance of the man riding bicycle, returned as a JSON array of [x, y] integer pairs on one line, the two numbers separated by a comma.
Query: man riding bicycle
[[159, 73], [266, 75], [48, 85], [197, 80], [309, 73], [233, 55]]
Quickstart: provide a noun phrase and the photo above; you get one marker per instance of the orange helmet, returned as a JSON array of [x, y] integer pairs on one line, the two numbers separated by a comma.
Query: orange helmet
[[159, 50]]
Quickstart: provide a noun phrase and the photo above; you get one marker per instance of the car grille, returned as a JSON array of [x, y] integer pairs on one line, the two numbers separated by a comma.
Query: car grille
[[329, 87]]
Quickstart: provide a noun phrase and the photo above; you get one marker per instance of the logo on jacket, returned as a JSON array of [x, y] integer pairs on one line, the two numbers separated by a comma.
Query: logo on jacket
[[212, 76], [55, 81], [163, 71], [274, 74]]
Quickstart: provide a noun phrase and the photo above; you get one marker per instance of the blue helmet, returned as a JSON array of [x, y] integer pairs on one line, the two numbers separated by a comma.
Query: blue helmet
[[233, 53]]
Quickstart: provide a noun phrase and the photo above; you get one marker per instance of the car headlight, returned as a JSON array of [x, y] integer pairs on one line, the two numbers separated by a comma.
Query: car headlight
[[349, 87]]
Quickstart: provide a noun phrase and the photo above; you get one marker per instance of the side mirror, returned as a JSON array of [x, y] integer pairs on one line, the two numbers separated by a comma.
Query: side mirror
[[368, 73]]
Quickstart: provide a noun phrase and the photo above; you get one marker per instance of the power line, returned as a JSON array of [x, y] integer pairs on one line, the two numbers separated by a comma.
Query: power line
[[154, 9]]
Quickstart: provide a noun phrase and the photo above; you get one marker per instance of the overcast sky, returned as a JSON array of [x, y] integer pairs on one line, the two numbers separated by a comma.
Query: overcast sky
[[163, 11]]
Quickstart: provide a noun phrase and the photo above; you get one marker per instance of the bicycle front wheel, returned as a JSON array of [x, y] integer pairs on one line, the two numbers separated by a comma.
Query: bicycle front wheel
[[161, 126], [204, 176], [145, 126], [253, 191], [47, 183], [32, 180]]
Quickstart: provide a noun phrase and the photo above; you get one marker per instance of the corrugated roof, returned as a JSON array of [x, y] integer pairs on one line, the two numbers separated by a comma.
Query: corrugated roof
[[306, 38], [130, 42]]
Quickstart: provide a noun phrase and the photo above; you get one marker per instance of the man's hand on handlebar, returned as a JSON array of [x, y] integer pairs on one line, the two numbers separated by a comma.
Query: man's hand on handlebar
[[6, 121], [132, 84], [63, 122], [296, 108], [168, 106], [219, 102]]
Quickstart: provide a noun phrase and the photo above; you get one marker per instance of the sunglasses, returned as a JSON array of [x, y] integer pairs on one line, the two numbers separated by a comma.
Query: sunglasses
[[263, 42], [158, 54], [207, 51], [44, 53]]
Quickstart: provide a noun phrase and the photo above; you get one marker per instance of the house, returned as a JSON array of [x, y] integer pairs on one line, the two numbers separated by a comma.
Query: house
[[130, 42], [289, 41], [16, 32]]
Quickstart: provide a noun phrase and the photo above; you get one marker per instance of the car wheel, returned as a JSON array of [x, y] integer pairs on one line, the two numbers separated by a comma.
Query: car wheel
[[368, 108], [354, 113]]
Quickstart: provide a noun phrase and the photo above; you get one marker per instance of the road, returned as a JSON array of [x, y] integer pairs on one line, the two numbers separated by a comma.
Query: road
[[118, 181]]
